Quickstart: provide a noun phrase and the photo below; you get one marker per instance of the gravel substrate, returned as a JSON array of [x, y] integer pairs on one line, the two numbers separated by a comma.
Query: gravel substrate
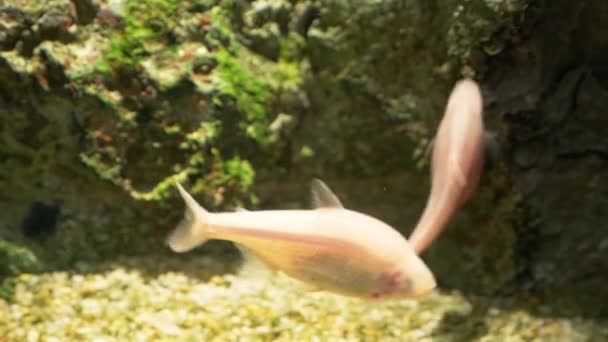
[[178, 299]]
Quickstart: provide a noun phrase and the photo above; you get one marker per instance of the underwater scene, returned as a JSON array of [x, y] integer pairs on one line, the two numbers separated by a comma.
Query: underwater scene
[[303, 170]]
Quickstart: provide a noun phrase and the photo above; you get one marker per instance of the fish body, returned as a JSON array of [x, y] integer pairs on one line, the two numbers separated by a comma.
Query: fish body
[[329, 248], [457, 162]]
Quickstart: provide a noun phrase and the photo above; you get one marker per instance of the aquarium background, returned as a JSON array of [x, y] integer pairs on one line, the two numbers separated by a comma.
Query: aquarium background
[[104, 105]]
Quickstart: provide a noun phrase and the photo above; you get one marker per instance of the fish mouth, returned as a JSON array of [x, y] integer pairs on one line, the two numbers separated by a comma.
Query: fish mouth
[[424, 289], [422, 280]]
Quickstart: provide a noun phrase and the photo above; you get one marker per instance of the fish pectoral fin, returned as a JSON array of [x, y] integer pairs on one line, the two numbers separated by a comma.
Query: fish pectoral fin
[[293, 284], [252, 266], [491, 149], [301, 285], [323, 197], [306, 287]]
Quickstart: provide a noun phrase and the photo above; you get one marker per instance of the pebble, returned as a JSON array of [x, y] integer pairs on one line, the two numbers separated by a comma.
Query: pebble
[[131, 303]]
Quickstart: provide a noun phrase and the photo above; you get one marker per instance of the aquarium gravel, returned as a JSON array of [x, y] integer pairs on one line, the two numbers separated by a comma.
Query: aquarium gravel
[[181, 299]]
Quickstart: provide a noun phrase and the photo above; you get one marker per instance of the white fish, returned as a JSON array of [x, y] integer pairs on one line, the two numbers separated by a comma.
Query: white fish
[[458, 156], [329, 248]]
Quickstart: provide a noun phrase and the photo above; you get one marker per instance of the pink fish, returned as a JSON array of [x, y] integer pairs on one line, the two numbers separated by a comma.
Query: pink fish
[[329, 248], [457, 161]]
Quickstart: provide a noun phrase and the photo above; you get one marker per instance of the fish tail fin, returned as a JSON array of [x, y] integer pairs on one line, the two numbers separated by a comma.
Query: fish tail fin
[[193, 229]]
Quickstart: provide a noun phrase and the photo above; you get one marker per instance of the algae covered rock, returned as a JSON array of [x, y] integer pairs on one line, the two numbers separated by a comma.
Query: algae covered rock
[[16, 260], [551, 99], [100, 119]]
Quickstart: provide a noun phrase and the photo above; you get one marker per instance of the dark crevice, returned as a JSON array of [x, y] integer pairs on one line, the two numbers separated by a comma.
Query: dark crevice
[[528, 242], [86, 11], [41, 220], [582, 154], [537, 126]]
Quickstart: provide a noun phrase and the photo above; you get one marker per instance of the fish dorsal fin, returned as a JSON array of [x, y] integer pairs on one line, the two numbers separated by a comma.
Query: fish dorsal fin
[[323, 197]]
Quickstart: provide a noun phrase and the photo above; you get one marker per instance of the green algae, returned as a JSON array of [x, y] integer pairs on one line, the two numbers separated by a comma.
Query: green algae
[[251, 95], [231, 84], [146, 25], [15, 259]]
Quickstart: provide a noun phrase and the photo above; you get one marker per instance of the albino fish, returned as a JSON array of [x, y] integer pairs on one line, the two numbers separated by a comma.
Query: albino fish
[[329, 248], [457, 161]]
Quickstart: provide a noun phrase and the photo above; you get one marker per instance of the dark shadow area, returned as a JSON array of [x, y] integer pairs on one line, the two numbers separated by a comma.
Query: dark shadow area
[[214, 258], [458, 326], [41, 220]]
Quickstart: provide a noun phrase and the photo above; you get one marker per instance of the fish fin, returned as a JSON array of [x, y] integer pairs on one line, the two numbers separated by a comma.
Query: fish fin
[[192, 230], [322, 196], [241, 210], [252, 266], [491, 148], [304, 286]]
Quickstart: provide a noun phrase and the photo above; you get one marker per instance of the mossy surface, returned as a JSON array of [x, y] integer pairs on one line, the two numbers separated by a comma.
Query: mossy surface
[[145, 95], [145, 29]]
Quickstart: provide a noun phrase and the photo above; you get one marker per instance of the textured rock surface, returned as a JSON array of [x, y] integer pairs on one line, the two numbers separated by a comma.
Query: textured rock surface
[[104, 104], [551, 98]]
